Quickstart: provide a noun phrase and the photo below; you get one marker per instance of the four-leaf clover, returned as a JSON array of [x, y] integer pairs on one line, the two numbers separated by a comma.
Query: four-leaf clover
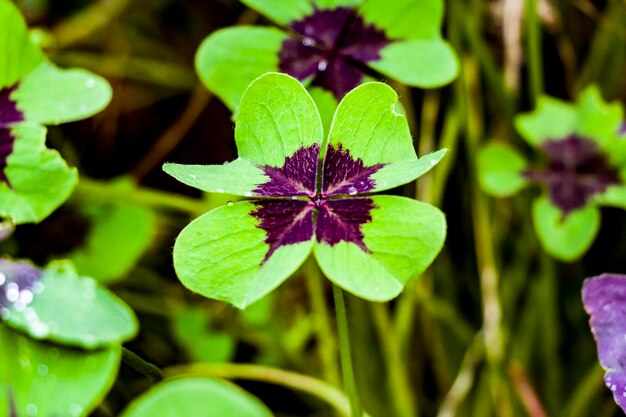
[[585, 167], [331, 45], [33, 179], [309, 194]]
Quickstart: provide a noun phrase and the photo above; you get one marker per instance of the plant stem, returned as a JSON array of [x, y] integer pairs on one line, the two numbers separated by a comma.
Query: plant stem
[[88, 189], [318, 388], [142, 366], [345, 353], [533, 46], [400, 387], [321, 321]]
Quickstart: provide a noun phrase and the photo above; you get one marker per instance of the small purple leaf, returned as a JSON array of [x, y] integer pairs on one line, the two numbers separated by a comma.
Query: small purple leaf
[[286, 222], [333, 46], [18, 283], [604, 298], [341, 220], [576, 171], [343, 174], [296, 177], [9, 114]]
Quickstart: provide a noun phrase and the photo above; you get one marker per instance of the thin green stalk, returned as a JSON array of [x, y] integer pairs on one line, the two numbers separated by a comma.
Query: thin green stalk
[[533, 50], [345, 353], [313, 386], [484, 246], [322, 322], [88, 189], [588, 389], [142, 366], [464, 380], [399, 385]]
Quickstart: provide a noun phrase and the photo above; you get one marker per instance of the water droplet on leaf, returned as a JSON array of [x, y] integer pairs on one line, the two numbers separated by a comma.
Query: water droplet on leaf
[[308, 41], [248, 194], [42, 369], [192, 176], [230, 204], [434, 162], [294, 197], [322, 65], [31, 410], [75, 410], [90, 83], [219, 190], [352, 191]]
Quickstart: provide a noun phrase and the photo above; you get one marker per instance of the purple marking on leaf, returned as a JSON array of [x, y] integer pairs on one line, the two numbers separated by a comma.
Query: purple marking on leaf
[[286, 222], [576, 171], [604, 298], [9, 114], [343, 174], [622, 129], [333, 46], [17, 282], [341, 220], [296, 177]]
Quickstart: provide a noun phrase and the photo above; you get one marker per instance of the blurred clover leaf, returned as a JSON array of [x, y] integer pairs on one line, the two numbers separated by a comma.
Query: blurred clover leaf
[[305, 196], [604, 298], [196, 396], [44, 379], [119, 233], [585, 167], [331, 46], [35, 180], [58, 305]]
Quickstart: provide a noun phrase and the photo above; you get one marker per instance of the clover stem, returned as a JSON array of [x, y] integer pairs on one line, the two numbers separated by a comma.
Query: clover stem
[[533, 46], [400, 386], [320, 389], [141, 365], [345, 353], [322, 322]]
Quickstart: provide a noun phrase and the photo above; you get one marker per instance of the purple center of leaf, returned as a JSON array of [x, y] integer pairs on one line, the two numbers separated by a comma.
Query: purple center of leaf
[[9, 114], [332, 214], [576, 171], [17, 282], [333, 47]]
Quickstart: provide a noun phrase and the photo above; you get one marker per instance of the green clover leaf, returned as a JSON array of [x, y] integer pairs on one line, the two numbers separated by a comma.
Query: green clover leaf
[[307, 195], [33, 179], [327, 44], [586, 167]]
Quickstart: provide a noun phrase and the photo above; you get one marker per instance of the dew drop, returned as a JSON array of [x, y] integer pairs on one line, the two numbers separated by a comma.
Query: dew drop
[[352, 191], [322, 65], [385, 184], [294, 197], [248, 194], [90, 83], [230, 204], [83, 108], [12, 292], [39, 329], [26, 297], [192, 176], [3, 278], [308, 41], [42, 369], [31, 410], [37, 287], [75, 410], [434, 162], [219, 190]]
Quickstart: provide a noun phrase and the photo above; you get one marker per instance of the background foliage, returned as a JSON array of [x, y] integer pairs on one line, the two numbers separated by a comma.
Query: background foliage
[[494, 327]]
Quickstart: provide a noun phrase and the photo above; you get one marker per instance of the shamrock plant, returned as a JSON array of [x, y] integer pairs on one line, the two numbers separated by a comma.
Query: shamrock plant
[[33, 179], [57, 322], [585, 168], [604, 298], [332, 46], [308, 194]]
